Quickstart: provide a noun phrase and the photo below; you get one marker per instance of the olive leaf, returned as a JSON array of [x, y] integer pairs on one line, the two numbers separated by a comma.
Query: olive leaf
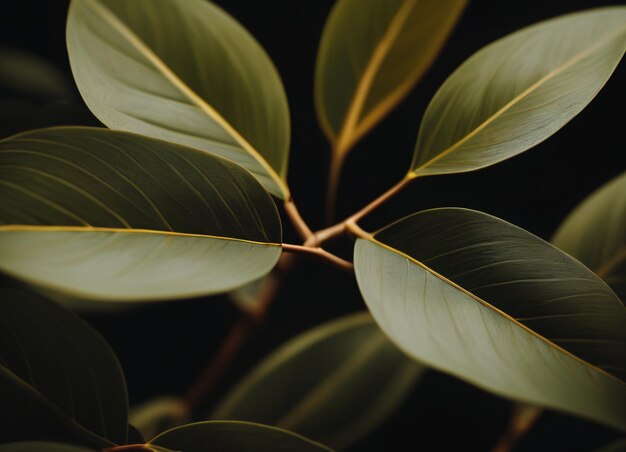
[[477, 297], [233, 436], [372, 52], [519, 90], [58, 378], [334, 383], [186, 72], [116, 216], [595, 234]]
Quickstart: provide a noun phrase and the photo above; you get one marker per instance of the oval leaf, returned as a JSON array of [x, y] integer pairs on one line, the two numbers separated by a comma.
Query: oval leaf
[[371, 54], [58, 377], [183, 71], [232, 436], [334, 383], [486, 301], [595, 234], [111, 215], [516, 92]]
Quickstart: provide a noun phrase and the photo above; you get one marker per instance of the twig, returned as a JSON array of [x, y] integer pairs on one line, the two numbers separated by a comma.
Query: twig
[[321, 254], [355, 217], [244, 327], [336, 230]]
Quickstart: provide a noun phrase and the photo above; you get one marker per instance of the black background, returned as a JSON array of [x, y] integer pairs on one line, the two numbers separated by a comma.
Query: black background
[[163, 346]]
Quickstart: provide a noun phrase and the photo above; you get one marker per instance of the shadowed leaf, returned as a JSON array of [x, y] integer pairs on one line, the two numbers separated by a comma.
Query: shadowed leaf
[[116, 216], [183, 71], [486, 301]]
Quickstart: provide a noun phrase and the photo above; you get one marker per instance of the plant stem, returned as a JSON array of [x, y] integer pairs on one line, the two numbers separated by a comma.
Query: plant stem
[[336, 230], [522, 419], [298, 222], [239, 333], [321, 254]]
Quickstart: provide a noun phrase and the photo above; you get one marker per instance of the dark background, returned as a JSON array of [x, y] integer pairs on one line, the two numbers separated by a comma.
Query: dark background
[[163, 346]]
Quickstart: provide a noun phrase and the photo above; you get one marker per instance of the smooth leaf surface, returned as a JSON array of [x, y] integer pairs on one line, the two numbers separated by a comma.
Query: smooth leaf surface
[[371, 54], [111, 215], [41, 446], [183, 71], [519, 90], [58, 377], [232, 436], [334, 383], [595, 234], [486, 301]]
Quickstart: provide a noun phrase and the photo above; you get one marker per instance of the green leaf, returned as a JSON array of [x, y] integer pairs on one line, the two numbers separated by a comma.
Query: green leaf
[[372, 53], [152, 417], [58, 377], [232, 436], [479, 298], [116, 216], [41, 446], [595, 234], [186, 72], [519, 90], [334, 383]]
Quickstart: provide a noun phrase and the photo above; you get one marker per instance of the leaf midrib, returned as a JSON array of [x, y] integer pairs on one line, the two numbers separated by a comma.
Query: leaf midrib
[[119, 26], [550, 75], [346, 136], [496, 310], [35, 228]]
